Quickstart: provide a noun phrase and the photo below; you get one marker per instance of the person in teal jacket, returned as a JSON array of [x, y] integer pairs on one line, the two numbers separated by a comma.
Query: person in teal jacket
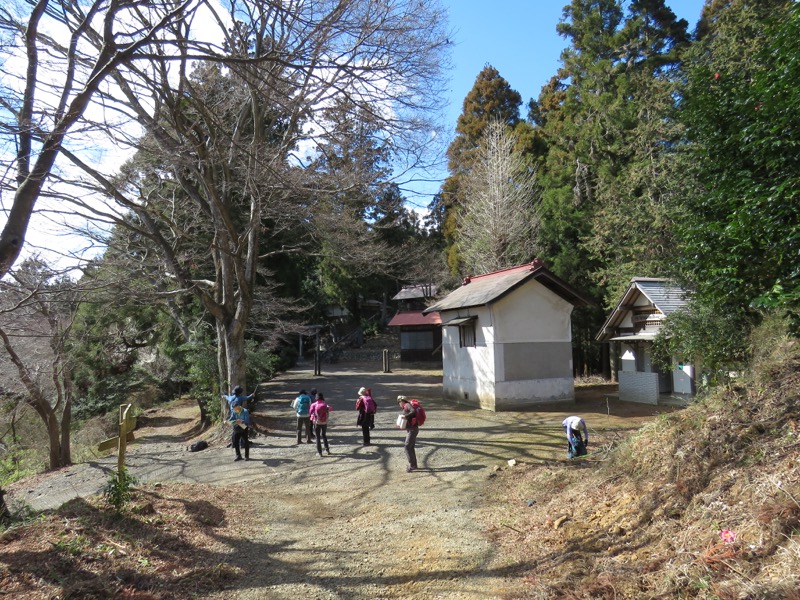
[[240, 418], [302, 405]]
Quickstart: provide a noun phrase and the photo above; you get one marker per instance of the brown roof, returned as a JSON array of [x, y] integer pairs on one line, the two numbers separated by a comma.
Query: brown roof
[[415, 317], [490, 287]]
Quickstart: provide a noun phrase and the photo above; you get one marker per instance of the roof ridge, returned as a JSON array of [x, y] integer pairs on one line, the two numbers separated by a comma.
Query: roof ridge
[[532, 266]]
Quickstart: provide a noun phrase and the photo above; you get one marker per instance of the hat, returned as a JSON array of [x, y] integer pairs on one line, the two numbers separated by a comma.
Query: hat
[[401, 398], [361, 390]]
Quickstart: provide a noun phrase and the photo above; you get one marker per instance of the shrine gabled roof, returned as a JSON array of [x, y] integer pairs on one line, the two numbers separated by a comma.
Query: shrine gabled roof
[[662, 294], [485, 289]]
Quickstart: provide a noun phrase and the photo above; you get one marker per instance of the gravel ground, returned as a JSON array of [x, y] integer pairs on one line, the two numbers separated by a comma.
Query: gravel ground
[[353, 524]]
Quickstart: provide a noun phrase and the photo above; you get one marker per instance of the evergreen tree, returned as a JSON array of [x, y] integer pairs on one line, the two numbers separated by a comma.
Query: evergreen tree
[[741, 230], [605, 119]]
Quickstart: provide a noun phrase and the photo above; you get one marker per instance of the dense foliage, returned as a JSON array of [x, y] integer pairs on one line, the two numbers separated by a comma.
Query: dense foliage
[[662, 153]]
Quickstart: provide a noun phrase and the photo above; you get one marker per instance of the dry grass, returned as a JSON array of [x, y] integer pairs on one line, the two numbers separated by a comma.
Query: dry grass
[[172, 542], [650, 520]]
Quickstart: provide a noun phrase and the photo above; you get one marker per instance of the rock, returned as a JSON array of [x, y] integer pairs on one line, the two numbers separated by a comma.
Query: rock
[[512, 462], [531, 502]]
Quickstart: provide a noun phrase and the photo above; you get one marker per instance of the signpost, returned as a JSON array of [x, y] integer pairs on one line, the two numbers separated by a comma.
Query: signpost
[[127, 423]]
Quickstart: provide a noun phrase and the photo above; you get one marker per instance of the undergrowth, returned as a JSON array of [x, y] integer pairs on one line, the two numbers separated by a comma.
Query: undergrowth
[[699, 503]]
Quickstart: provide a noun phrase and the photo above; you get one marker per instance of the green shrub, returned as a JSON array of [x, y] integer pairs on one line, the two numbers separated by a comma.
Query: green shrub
[[119, 489]]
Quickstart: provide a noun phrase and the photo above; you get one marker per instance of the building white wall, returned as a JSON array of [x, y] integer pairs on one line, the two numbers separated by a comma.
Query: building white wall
[[531, 323], [682, 378], [468, 373], [532, 313]]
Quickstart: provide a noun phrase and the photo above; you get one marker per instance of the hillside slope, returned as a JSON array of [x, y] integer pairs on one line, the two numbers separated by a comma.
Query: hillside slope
[[701, 503]]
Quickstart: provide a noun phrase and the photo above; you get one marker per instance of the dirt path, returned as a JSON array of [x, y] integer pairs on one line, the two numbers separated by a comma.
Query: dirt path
[[355, 524]]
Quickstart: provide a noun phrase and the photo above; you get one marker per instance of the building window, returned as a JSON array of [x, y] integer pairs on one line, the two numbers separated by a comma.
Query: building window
[[466, 334]]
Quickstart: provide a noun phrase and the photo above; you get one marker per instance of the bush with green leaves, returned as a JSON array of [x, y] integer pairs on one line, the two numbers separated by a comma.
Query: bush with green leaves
[[712, 337], [119, 489]]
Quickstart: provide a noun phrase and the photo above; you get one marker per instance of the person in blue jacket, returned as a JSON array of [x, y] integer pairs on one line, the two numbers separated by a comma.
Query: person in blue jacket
[[240, 418], [238, 397], [302, 405]]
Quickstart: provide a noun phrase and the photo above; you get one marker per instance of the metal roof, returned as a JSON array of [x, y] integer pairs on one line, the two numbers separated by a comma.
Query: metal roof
[[416, 292], [661, 293], [460, 320], [491, 287], [415, 317], [639, 337]]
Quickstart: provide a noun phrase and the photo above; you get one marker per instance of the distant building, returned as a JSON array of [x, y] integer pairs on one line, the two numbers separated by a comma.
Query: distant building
[[507, 338], [420, 334], [633, 325]]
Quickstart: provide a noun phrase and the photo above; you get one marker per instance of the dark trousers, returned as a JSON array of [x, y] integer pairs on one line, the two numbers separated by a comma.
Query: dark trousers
[[240, 437], [410, 447], [321, 432], [307, 422], [367, 423]]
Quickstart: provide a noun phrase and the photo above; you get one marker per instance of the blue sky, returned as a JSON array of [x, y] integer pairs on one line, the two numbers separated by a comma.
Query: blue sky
[[519, 39]]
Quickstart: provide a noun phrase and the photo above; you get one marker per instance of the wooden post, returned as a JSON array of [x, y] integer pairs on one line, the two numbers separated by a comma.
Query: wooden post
[[123, 435], [317, 357], [386, 365], [127, 424]]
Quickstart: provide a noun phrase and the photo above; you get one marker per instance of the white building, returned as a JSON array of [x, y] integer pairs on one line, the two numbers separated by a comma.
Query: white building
[[507, 338], [633, 325]]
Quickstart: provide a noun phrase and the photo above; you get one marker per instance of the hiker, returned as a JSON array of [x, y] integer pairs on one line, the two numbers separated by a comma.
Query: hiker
[[238, 397], [240, 418], [576, 444], [301, 405], [366, 408], [318, 413], [313, 395], [409, 414]]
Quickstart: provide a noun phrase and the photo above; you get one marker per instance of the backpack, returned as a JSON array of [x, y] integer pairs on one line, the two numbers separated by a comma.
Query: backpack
[[320, 413], [419, 418], [303, 404], [369, 405], [198, 446]]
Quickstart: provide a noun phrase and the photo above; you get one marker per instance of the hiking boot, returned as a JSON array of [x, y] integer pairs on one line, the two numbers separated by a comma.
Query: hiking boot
[[320, 454], [328, 451], [237, 458], [247, 458], [410, 469]]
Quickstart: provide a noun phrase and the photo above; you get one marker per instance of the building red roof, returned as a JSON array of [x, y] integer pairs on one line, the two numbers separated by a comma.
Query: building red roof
[[415, 317]]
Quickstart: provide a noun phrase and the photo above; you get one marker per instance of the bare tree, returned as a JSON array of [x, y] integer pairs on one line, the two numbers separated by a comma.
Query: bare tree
[[36, 313], [226, 116], [78, 46], [499, 222], [73, 70]]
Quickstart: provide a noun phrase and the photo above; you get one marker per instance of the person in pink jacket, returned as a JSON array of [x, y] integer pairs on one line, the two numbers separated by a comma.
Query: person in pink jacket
[[366, 408], [319, 417]]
